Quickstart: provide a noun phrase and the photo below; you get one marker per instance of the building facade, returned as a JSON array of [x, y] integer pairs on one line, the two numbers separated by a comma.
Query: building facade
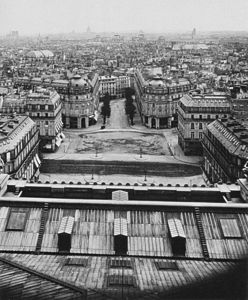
[[19, 141], [45, 108], [194, 114], [225, 150], [157, 99]]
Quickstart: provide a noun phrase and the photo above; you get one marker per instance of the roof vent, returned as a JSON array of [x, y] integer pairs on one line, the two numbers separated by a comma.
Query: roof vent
[[120, 236], [177, 235], [64, 234]]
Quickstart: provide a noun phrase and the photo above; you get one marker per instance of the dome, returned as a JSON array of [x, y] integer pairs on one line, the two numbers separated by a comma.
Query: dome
[[77, 80], [157, 81]]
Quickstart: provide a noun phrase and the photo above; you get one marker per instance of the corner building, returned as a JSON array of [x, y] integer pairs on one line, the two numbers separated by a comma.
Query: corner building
[[194, 114], [157, 99]]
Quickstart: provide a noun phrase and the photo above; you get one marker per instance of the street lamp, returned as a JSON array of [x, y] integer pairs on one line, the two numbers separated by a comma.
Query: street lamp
[[145, 174]]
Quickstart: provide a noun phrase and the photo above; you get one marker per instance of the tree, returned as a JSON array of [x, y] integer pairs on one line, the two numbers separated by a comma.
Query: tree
[[130, 109], [106, 110], [129, 92]]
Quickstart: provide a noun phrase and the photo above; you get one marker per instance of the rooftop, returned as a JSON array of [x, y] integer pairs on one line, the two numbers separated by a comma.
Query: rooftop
[[205, 101], [12, 129]]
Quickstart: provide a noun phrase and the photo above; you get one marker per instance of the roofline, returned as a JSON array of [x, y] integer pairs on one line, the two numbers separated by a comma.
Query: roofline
[[123, 203]]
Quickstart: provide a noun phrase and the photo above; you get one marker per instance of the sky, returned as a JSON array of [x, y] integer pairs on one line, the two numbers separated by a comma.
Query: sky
[[161, 16]]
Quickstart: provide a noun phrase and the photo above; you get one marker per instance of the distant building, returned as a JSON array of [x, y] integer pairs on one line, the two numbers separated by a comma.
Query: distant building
[[19, 141], [240, 106], [40, 55], [113, 85], [194, 114], [45, 108], [225, 150]]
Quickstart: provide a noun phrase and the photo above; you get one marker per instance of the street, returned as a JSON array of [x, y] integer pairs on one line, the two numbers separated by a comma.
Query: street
[[118, 118]]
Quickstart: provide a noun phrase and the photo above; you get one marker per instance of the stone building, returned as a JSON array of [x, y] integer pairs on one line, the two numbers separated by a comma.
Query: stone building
[[79, 105], [194, 113], [157, 99], [19, 141], [45, 108], [225, 150]]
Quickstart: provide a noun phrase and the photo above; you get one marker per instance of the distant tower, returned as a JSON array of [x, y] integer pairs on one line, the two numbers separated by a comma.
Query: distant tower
[[193, 34], [88, 29]]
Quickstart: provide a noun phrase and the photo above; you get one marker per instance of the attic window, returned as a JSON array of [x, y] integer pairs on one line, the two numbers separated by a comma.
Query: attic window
[[17, 219], [230, 228], [64, 233], [178, 237], [76, 261], [120, 263], [120, 236], [121, 280], [166, 265]]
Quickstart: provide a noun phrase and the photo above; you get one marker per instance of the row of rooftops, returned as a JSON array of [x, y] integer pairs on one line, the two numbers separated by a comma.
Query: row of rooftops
[[75, 81], [44, 95]]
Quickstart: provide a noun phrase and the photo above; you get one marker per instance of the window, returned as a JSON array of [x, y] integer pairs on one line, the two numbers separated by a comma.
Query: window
[[200, 135], [192, 116], [200, 117], [217, 116], [209, 117], [230, 228], [200, 125], [17, 219], [166, 265], [121, 280], [120, 263], [192, 135], [76, 261], [192, 126]]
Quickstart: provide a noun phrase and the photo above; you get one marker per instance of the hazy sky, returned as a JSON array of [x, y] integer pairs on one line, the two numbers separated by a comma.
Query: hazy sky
[[53, 16]]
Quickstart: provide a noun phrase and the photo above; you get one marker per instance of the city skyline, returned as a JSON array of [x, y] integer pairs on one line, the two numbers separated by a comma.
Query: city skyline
[[52, 17]]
